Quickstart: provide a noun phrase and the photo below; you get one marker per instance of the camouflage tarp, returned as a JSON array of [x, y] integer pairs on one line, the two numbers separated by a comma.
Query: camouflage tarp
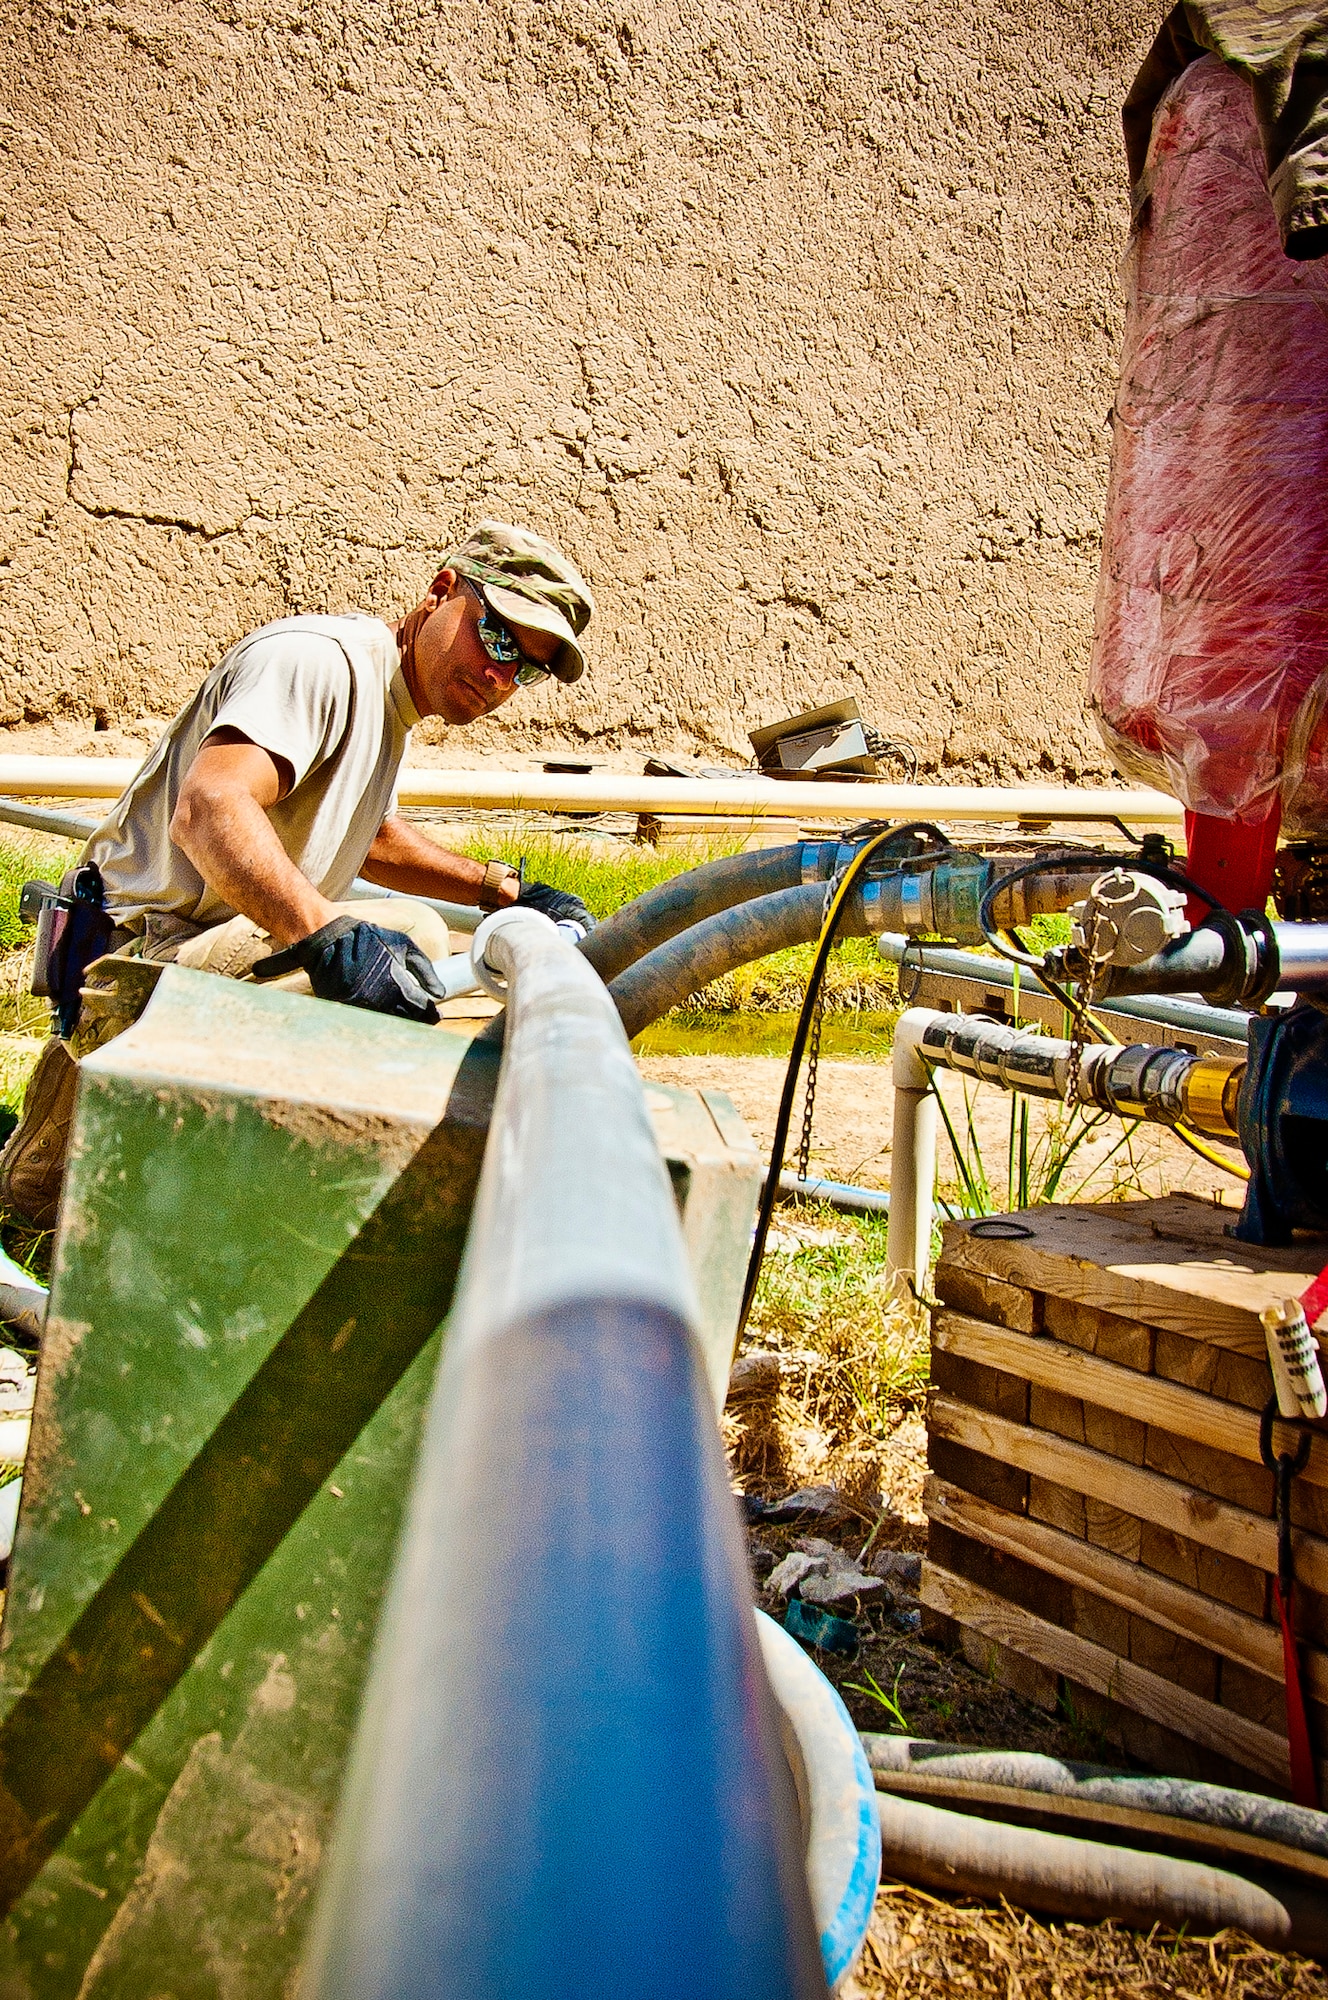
[[1283, 52]]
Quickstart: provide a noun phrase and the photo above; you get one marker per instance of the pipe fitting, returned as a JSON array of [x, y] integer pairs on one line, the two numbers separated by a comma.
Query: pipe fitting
[[1137, 1081], [1141, 1081], [908, 1069], [487, 973], [821, 859], [930, 896], [1211, 1092]]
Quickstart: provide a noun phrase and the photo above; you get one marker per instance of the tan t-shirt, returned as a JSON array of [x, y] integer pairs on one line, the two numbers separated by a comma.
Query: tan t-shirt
[[328, 695]]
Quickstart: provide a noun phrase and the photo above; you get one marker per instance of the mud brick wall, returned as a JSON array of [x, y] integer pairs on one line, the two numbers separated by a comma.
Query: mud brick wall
[[798, 325], [1101, 1527]]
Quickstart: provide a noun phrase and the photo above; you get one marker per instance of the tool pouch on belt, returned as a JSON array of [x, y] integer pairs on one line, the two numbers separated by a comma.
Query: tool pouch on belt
[[73, 928]]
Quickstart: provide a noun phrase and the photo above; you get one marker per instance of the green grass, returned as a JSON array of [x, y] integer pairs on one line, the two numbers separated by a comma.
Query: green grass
[[846, 1036], [853, 1353], [606, 874], [1041, 1165], [837, 1299], [23, 857], [603, 873]]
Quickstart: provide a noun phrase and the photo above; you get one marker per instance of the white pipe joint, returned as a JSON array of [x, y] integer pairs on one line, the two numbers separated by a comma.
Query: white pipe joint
[[912, 1152], [485, 974]]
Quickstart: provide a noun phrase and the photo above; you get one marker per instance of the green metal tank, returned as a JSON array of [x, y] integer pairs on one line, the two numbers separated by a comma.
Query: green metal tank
[[264, 1215]]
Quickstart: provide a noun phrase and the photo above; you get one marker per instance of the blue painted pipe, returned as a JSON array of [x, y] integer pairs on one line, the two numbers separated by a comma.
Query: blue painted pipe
[[567, 1780]]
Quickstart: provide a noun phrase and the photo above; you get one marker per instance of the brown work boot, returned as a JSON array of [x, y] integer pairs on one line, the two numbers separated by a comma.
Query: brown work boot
[[32, 1165]]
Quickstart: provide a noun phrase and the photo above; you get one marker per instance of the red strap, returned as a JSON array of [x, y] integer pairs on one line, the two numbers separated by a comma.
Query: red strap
[[1314, 1300], [1304, 1782], [1233, 859]]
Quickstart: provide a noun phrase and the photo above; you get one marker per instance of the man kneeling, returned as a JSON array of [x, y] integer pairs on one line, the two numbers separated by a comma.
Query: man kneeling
[[275, 787]]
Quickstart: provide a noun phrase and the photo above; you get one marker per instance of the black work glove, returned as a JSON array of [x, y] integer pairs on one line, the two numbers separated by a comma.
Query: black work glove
[[559, 904], [362, 965]]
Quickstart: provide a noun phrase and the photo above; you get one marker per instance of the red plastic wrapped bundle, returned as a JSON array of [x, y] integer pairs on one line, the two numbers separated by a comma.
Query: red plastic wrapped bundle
[[1210, 659]]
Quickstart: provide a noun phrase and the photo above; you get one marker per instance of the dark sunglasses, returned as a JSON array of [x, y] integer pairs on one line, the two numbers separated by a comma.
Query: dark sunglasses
[[502, 645]]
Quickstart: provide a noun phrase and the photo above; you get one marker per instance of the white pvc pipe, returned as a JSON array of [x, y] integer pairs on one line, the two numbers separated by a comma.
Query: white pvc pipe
[[912, 1154], [740, 797]]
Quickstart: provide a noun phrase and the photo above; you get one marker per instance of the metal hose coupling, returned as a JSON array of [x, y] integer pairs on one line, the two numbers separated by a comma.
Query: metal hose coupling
[[1139, 1080]]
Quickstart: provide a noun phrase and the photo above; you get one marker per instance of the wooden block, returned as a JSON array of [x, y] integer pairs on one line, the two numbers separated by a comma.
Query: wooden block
[[1127, 1342], [1312, 1616], [1207, 1570], [1134, 1687], [1092, 1617], [1309, 1506], [1004, 1485], [1056, 1505], [1107, 1527], [1165, 1263], [1101, 1722], [1006, 1576], [1257, 1697], [1036, 1683], [1050, 1364], [1049, 1410], [940, 1630], [1116, 1434], [1252, 1643], [1214, 1371], [989, 1298], [1217, 1524], [985, 1388], [1211, 1471], [1177, 1660]]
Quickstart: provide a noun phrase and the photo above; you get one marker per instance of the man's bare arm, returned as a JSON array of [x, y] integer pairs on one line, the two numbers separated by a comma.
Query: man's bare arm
[[220, 823], [404, 859]]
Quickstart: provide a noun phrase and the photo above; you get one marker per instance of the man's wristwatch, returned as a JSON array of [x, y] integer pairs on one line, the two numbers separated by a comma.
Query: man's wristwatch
[[489, 894]]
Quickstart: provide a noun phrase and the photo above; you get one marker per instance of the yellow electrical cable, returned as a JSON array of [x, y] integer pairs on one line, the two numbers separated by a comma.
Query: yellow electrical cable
[[852, 876], [1207, 1152]]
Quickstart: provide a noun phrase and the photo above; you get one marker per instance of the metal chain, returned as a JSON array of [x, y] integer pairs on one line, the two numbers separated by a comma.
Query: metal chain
[[814, 1047], [1085, 990], [809, 1100]]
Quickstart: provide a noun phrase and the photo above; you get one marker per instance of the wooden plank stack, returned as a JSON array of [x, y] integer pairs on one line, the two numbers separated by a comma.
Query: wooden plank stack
[[1101, 1526]]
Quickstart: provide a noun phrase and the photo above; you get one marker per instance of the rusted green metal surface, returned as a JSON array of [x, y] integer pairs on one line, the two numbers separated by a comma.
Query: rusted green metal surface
[[266, 1207]]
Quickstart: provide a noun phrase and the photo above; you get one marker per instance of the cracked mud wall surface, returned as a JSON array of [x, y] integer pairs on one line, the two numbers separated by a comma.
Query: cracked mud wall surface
[[796, 323]]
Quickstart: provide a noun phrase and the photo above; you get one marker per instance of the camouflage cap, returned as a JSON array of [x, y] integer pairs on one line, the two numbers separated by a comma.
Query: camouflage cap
[[528, 582]]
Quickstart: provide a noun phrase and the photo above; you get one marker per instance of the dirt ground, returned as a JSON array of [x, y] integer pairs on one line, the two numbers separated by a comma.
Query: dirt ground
[[854, 1106]]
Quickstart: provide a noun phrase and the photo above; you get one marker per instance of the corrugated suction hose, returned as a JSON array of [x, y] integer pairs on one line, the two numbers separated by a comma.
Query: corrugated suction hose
[[684, 900], [671, 973]]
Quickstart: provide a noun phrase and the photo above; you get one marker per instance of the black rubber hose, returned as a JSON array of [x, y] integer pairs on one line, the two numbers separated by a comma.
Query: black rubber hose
[[674, 971], [684, 900]]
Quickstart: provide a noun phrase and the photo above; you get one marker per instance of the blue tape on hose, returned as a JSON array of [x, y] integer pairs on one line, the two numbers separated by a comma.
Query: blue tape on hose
[[844, 1843], [842, 1940]]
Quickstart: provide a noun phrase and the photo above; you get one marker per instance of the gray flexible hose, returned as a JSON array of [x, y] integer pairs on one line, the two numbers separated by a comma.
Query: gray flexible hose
[[685, 900], [1063, 1876], [668, 975], [1180, 1798]]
